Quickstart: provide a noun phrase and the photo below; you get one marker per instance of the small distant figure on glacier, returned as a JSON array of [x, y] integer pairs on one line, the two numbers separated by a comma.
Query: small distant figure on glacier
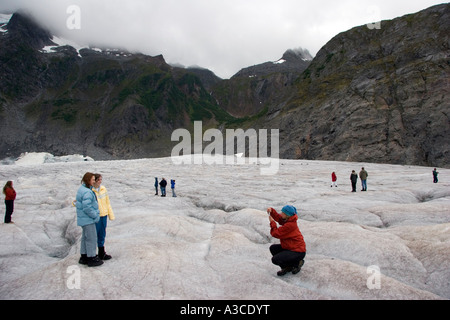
[[333, 179], [291, 251], [354, 180], [10, 196], [156, 185], [363, 176], [435, 176], [163, 185], [172, 186], [105, 212]]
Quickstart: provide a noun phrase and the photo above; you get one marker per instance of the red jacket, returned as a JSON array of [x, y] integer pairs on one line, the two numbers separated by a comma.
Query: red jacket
[[289, 234], [333, 177], [10, 194]]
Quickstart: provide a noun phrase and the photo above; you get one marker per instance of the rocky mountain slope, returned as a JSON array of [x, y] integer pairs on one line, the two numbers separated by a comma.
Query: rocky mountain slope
[[374, 95], [369, 95], [250, 91], [106, 104]]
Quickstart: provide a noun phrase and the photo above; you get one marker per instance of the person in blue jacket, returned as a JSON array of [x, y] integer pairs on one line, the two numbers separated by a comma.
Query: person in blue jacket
[[156, 185], [172, 186], [88, 214]]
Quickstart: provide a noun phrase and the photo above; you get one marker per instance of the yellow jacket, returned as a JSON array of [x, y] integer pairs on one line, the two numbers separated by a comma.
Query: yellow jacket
[[103, 203]]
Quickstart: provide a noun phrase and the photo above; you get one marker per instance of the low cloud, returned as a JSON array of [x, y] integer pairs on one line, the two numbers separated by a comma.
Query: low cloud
[[223, 36]]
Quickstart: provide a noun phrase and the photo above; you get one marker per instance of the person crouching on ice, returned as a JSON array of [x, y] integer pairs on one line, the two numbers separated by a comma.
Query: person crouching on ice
[[291, 251]]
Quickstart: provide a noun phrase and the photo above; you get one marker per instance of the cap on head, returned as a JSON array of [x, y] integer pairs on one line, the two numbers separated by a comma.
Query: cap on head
[[289, 211]]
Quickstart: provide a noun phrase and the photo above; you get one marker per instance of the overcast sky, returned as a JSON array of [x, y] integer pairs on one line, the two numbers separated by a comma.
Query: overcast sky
[[223, 36]]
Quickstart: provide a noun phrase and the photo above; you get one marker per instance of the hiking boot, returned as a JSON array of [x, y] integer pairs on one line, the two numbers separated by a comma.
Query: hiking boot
[[102, 254], [94, 262], [83, 259], [297, 269], [284, 271]]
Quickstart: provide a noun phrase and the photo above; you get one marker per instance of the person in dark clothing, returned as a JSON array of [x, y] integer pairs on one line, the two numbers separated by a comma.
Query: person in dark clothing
[[354, 179], [163, 185], [156, 186], [435, 175]]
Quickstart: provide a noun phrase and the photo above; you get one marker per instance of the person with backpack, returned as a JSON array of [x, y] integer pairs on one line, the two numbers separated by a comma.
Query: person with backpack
[[291, 251], [163, 185], [10, 196]]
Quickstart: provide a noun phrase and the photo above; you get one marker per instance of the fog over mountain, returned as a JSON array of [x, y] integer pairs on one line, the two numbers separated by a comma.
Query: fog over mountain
[[223, 36]]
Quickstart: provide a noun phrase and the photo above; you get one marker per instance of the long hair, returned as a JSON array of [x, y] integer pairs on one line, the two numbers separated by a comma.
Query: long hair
[[8, 185], [87, 179]]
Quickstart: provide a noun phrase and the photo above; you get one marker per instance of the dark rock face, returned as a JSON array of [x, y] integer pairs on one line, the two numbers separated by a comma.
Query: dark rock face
[[376, 95], [252, 90], [106, 105], [369, 95], [24, 29], [293, 61]]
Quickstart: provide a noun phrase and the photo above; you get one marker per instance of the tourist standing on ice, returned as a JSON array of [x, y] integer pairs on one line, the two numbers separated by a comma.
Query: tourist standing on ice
[[363, 176], [163, 185], [435, 175], [354, 180], [105, 212], [10, 196], [333, 179], [88, 215], [172, 186], [156, 186], [291, 251]]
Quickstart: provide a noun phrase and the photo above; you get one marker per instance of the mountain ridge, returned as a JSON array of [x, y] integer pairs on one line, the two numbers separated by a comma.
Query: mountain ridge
[[389, 98], [368, 95], [108, 105]]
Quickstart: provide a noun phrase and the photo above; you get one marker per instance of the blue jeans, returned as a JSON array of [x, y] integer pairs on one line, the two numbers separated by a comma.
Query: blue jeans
[[364, 184], [101, 231]]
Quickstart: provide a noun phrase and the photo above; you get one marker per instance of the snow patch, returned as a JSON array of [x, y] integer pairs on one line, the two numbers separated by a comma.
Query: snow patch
[[4, 18], [281, 61], [61, 42], [43, 157]]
